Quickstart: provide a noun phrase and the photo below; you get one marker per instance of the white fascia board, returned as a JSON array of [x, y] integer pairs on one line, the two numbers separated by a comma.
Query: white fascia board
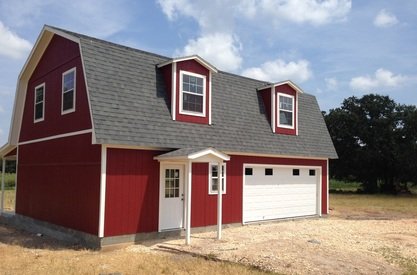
[[191, 57], [288, 82], [209, 151]]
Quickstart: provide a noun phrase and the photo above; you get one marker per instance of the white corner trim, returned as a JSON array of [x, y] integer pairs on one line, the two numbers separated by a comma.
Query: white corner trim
[[56, 136], [174, 90], [93, 135], [296, 112], [328, 186], [102, 191], [273, 110], [188, 201], [209, 98]]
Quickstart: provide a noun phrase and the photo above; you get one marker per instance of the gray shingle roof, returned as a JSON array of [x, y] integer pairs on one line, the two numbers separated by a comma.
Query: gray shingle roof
[[130, 107]]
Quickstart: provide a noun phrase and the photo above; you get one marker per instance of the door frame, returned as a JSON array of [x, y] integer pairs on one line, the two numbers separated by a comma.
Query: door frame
[[181, 166]]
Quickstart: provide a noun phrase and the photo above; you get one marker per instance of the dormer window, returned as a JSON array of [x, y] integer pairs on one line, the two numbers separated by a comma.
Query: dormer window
[[193, 93], [286, 111]]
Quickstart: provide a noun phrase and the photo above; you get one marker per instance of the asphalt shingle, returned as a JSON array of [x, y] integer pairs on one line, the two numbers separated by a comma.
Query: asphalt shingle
[[130, 107]]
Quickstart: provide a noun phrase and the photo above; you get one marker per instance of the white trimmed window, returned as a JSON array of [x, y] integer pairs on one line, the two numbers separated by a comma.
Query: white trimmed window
[[192, 94], [68, 91], [214, 175], [285, 112], [39, 103]]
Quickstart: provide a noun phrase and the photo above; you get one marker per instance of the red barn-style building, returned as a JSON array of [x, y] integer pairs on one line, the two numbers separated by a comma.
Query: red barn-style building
[[113, 143]]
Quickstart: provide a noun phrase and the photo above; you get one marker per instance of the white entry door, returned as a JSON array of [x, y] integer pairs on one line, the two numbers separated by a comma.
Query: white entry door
[[171, 197]]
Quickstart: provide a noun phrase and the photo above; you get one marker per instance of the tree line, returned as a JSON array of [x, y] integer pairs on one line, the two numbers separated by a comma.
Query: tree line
[[376, 141]]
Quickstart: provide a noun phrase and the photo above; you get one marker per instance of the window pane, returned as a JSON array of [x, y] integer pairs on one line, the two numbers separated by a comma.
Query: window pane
[[192, 103], [68, 100], [166, 173], [295, 172], [268, 171], [69, 81], [285, 103], [192, 84], [285, 118], [248, 171], [177, 193], [214, 171], [39, 110], [177, 183], [214, 185], [312, 172], [166, 193], [39, 95]]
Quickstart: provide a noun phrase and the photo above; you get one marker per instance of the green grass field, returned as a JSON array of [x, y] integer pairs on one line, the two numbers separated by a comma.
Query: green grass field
[[348, 187]]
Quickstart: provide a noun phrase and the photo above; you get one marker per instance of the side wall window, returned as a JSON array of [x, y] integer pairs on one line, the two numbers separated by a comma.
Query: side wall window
[[285, 111], [68, 91], [192, 94], [214, 175], [39, 103]]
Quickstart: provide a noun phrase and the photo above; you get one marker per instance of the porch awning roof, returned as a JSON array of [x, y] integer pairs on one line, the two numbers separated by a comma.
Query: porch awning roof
[[195, 154], [7, 151]]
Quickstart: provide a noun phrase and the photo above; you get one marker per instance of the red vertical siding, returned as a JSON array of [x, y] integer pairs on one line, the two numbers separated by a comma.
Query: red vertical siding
[[132, 192], [194, 67], [286, 89], [59, 182], [60, 56]]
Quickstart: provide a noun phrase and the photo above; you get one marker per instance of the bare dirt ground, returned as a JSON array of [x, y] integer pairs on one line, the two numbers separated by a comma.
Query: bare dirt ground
[[356, 238]]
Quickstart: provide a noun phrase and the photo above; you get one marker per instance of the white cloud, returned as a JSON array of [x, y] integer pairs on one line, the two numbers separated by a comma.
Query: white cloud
[[316, 12], [220, 14], [383, 78], [11, 45], [331, 84], [220, 49], [385, 19], [278, 70]]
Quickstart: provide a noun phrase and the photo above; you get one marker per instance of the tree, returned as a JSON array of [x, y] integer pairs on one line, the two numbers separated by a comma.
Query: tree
[[376, 142]]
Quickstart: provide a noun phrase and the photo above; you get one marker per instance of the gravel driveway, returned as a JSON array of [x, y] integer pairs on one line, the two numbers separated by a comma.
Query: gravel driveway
[[333, 245]]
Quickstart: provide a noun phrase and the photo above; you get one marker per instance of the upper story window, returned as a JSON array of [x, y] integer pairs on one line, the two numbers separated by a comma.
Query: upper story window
[[213, 179], [192, 94], [39, 103], [285, 111], [68, 91]]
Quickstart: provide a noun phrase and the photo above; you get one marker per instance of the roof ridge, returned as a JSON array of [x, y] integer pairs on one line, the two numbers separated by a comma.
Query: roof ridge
[[84, 36]]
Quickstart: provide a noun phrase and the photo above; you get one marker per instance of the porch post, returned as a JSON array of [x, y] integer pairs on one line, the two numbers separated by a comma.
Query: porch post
[[3, 171], [219, 200], [188, 208]]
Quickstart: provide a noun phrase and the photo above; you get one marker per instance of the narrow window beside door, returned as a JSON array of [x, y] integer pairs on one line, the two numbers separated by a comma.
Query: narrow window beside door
[[214, 175]]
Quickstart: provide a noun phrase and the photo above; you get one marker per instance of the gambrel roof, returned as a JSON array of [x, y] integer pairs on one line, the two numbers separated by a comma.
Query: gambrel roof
[[130, 106]]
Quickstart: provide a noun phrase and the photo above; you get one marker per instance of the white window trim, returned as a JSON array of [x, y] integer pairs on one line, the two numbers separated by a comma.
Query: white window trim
[[278, 111], [210, 178], [43, 104], [75, 91], [185, 112]]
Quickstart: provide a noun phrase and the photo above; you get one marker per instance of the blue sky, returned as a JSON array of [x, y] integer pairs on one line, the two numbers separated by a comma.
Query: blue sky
[[331, 48]]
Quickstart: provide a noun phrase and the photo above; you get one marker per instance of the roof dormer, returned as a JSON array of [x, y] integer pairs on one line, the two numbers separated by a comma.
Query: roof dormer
[[281, 104], [188, 84]]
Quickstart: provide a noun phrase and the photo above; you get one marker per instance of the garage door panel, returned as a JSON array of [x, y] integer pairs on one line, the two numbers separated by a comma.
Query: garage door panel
[[281, 195]]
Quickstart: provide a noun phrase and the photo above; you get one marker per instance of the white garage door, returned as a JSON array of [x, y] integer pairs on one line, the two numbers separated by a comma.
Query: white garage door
[[272, 192]]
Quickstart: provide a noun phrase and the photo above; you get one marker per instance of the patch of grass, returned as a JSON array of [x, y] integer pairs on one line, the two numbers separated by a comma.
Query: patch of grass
[[344, 186], [392, 255], [9, 180], [397, 206]]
